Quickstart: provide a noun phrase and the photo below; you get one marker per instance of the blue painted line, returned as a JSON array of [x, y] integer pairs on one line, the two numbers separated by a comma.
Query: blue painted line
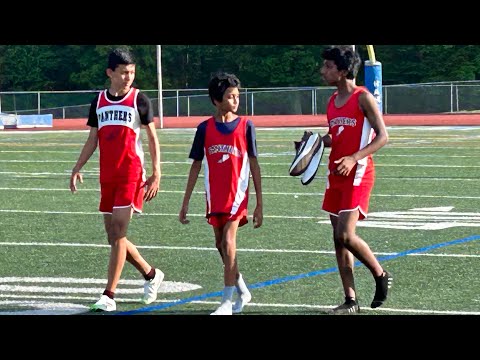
[[297, 277]]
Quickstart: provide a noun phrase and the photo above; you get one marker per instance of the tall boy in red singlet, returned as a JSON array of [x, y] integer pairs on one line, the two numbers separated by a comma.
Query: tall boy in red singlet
[[356, 131], [116, 116], [229, 146]]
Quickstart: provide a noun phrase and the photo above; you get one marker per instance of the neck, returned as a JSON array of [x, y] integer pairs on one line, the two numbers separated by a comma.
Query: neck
[[225, 117], [346, 87], [118, 92]]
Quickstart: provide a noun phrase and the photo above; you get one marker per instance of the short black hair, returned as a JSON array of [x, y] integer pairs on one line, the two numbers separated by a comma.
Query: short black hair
[[345, 58], [219, 83], [120, 56]]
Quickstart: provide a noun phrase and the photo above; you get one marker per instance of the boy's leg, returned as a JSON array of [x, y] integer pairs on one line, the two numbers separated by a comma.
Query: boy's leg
[[153, 277], [243, 294], [345, 268], [118, 225], [346, 235], [118, 250], [228, 252]]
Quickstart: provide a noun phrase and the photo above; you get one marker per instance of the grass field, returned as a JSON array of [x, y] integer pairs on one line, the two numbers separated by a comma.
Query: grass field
[[424, 226]]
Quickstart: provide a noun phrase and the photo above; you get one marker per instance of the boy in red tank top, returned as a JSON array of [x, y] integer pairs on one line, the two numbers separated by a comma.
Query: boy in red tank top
[[116, 116], [356, 131], [227, 142]]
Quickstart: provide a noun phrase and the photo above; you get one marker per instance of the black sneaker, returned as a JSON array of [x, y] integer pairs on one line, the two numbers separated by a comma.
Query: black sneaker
[[383, 283], [350, 306]]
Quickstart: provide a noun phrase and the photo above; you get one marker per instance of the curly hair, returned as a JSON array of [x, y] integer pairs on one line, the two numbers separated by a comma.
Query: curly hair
[[219, 83], [345, 58]]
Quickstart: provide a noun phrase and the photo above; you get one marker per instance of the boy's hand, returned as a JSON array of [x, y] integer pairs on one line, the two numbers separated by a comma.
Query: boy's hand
[[153, 185], [182, 216], [257, 217], [73, 180], [345, 165]]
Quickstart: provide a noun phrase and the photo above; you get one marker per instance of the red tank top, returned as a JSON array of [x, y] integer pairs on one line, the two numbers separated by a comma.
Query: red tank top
[[227, 168], [350, 131], [121, 153]]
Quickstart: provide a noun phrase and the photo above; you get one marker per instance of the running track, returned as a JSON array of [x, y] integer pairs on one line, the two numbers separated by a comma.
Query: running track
[[294, 121]]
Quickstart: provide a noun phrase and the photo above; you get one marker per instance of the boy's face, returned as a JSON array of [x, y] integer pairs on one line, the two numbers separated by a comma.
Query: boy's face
[[231, 100], [122, 78], [330, 73]]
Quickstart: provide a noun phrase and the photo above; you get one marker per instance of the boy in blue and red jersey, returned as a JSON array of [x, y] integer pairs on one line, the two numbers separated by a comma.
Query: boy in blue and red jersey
[[228, 144]]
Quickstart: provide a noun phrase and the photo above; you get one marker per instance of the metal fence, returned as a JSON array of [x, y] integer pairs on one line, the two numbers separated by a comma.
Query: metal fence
[[426, 98]]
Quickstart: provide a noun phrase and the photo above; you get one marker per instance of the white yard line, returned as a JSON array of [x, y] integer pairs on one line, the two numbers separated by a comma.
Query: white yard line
[[253, 193], [196, 248], [257, 305]]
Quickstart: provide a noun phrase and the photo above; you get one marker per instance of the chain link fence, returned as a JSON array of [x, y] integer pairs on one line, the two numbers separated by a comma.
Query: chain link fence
[[428, 98]]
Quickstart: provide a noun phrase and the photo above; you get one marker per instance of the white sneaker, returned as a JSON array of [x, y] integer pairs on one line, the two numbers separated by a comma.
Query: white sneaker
[[150, 288], [104, 304], [242, 299], [225, 308]]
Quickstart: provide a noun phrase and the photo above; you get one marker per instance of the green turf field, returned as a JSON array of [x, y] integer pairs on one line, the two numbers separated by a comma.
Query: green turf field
[[424, 225]]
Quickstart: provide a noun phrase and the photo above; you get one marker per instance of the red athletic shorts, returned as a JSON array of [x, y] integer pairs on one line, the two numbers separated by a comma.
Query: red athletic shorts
[[348, 198], [220, 219], [121, 195]]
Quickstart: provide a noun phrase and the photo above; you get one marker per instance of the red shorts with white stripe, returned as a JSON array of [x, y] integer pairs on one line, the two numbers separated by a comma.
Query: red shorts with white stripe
[[348, 198], [114, 195], [219, 220]]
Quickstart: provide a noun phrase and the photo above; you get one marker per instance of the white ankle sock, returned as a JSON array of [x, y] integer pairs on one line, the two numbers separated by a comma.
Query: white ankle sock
[[228, 293], [240, 285]]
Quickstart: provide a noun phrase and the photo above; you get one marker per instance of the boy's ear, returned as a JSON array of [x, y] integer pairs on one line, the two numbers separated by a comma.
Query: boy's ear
[[109, 72]]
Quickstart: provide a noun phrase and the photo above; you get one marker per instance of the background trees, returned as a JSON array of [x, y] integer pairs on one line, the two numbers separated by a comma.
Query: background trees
[[82, 67]]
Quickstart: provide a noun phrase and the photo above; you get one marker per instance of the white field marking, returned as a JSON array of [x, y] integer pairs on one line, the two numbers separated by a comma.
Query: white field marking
[[390, 146], [213, 249], [436, 218], [42, 308], [268, 129], [379, 219], [74, 297], [287, 153], [165, 287], [188, 162], [437, 208], [91, 290], [401, 146], [73, 161], [259, 305], [427, 155], [67, 174], [253, 193], [79, 145], [22, 132], [292, 153], [76, 152]]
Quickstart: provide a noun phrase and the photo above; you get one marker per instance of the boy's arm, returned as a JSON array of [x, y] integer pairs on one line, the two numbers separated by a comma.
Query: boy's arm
[[192, 179], [153, 182], [327, 140], [257, 182], [87, 151], [374, 116], [369, 107]]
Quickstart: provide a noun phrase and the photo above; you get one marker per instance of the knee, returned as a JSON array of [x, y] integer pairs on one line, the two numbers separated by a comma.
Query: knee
[[227, 245], [343, 239], [117, 231]]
